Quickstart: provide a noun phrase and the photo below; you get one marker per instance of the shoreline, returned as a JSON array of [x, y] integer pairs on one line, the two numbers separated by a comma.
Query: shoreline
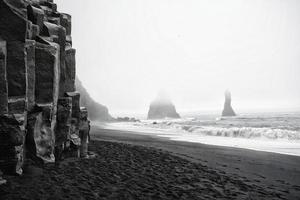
[[263, 168], [283, 147]]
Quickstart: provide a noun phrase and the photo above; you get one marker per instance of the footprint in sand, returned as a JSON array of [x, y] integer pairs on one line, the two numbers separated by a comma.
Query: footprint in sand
[[296, 187], [280, 181]]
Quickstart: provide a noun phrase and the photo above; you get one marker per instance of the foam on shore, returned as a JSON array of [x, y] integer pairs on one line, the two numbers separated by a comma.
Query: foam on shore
[[282, 145]]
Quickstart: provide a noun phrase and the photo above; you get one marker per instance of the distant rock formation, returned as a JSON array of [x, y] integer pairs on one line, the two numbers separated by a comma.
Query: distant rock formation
[[96, 110], [126, 119], [228, 111], [38, 101], [162, 107]]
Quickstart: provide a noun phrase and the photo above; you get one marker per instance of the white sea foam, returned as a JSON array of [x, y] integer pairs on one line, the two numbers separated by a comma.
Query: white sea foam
[[280, 134], [244, 132]]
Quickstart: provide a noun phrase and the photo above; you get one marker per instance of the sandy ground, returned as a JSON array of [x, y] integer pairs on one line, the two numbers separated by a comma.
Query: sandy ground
[[135, 166], [280, 173]]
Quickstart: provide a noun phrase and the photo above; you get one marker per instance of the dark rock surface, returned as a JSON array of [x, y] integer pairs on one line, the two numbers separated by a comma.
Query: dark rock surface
[[16, 105], [96, 110], [30, 52], [40, 137], [161, 108], [3, 79], [43, 135], [12, 137], [70, 69], [64, 111], [15, 40], [228, 111], [37, 82], [46, 66]]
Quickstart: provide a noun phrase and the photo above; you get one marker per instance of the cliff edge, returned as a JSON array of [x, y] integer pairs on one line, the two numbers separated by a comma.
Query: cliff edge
[[96, 110]]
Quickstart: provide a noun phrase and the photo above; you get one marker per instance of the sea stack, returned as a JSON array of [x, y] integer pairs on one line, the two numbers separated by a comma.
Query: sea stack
[[162, 107], [228, 111]]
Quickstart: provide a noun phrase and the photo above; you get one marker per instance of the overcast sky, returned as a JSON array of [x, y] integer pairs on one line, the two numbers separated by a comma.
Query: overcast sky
[[128, 50]]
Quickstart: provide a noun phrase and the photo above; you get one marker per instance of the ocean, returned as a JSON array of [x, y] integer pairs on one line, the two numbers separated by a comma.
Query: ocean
[[271, 132]]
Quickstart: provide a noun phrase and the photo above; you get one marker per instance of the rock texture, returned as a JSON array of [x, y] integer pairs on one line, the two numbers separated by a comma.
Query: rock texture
[[12, 136], [96, 110], [228, 111], [38, 99], [3, 79], [162, 107]]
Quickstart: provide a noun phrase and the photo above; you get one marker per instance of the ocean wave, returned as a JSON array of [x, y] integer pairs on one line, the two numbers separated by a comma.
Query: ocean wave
[[244, 132], [271, 127]]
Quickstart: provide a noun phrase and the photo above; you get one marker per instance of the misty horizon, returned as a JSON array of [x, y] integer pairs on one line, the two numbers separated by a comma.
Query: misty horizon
[[193, 50]]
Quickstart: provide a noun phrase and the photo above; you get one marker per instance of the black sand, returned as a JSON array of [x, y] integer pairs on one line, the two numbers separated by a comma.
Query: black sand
[[171, 170]]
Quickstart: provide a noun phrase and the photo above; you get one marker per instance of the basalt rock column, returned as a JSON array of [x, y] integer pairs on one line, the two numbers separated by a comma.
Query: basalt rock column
[[14, 29], [70, 70], [58, 35], [30, 72], [62, 132], [11, 144], [36, 16], [46, 73], [228, 111], [15, 62], [46, 93], [75, 96], [65, 21], [3, 79]]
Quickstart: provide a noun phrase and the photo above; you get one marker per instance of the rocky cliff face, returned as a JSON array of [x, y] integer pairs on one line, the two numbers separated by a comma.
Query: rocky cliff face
[[38, 100], [96, 110], [161, 108], [228, 111]]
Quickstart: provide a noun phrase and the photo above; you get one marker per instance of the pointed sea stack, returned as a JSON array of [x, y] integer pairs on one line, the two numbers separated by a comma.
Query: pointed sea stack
[[162, 107], [228, 111]]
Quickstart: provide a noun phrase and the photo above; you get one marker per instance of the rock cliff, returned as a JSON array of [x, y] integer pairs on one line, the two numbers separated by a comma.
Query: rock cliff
[[96, 110], [162, 107], [38, 101], [228, 111]]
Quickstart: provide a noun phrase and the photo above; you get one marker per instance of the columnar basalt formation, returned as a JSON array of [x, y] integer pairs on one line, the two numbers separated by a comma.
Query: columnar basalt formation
[[38, 100], [3, 79], [30, 71], [228, 111]]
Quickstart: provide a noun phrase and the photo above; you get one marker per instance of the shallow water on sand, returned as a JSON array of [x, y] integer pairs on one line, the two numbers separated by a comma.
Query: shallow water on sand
[[271, 132]]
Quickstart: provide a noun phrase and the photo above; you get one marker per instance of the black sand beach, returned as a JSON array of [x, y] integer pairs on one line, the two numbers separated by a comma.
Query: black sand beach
[[278, 172], [135, 166]]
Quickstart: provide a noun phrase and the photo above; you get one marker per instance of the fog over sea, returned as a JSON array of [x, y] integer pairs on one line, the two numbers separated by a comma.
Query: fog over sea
[[271, 132]]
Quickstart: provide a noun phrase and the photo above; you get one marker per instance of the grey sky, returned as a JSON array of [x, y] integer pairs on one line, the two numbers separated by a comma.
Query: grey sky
[[128, 50]]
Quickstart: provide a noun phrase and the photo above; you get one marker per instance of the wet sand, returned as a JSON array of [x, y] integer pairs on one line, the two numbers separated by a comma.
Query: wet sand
[[277, 172], [135, 166]]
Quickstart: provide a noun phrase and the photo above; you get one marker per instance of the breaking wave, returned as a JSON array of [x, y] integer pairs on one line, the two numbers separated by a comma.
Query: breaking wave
[[279, 133], [271, 127], [243, 132]]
